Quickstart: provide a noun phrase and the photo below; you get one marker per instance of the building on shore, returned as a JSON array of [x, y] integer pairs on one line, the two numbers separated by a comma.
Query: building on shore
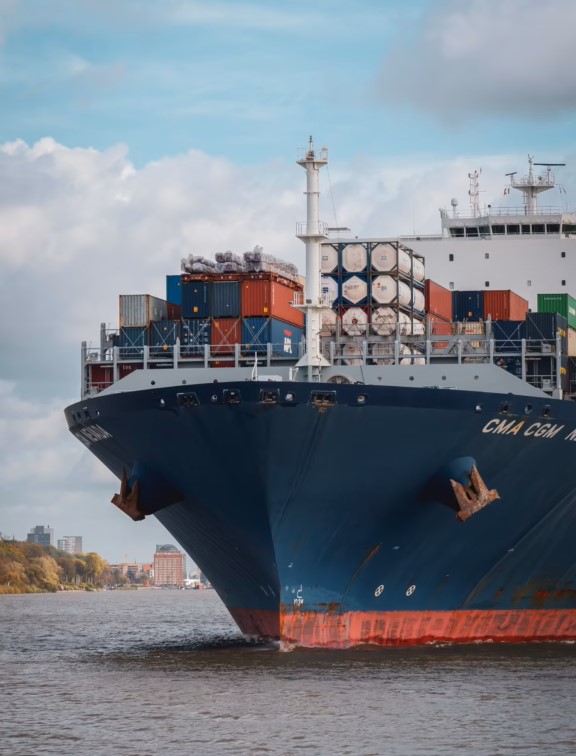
[[135, 572], [70, 544], [44, 535], [169, 567]]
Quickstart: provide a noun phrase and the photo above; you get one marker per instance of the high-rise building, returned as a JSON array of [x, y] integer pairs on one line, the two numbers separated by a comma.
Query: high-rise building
[[169, 566], [42, 535], [71, 544]]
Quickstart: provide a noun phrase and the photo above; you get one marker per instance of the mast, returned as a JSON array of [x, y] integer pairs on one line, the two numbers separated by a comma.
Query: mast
[[312, 233], [532, 185]]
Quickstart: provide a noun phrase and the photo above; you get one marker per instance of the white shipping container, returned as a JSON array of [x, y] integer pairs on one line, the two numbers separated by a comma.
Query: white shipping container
[[139, 310]]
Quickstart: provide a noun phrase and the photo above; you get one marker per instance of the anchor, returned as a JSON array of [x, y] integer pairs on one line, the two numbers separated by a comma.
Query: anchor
[[474, 497], [127, 499]]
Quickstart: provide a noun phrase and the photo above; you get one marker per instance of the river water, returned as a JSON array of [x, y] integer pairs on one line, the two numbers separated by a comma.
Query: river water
[[153, 672]]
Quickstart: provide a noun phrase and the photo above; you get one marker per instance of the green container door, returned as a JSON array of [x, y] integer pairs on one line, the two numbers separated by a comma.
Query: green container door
[[561, 303]]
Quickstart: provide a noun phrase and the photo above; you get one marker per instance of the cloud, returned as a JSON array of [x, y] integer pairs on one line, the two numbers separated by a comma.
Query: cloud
[[469, 58]]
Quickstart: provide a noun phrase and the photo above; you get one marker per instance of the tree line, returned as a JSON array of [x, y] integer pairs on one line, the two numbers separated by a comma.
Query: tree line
[[31, 568]]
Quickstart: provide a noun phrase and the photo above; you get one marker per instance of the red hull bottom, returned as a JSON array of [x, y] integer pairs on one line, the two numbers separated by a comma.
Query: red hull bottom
[[348, 629]]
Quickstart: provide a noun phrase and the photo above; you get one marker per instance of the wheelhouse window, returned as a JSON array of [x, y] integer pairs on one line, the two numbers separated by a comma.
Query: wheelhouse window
[[513, 229], [538, 228], [553, 228], [525, 228], [472, 231], [459, 231], [498, 229]]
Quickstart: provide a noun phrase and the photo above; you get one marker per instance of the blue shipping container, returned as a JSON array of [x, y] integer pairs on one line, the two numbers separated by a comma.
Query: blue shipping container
[[508, 335], [132, 341], [174, 289], [468, 305], [162, 337], [194, 333], [225, 299], [284, 337], [196, 299], [546, 326]]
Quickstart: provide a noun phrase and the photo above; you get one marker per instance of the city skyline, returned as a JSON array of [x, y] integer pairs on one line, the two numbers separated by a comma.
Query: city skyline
[[136, 133]]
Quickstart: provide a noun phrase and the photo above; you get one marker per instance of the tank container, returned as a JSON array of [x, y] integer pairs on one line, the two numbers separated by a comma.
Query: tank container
[[383, 353], [504, 305], [545, 326], [138, 310], [132, 340], [162, 337], [354, 258], [329, 258], [387, 290], [329, 286], [355, 321], [194, 334], [438, 300], [354, 290], [564, 304], [174, 289], [508, 335], [284, 337], [225, 334], [225, 299], [352, 353], [329, 322], [265, 297], [196, 299], [418, 300], [388, 257], [468, 305]]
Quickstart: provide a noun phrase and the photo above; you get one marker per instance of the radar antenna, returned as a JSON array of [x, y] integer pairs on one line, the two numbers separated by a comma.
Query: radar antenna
[[532, 185]]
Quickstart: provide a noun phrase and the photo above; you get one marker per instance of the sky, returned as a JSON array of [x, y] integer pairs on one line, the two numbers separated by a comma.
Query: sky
[[134, 133]]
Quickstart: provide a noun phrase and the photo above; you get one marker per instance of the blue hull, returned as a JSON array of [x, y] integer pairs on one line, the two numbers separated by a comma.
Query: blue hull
[[336, 523]]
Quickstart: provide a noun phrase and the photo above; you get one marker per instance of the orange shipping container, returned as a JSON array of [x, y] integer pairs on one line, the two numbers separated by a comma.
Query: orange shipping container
[[266, 298], [438, 300], [225, 333], [439, 327], [504, 305]]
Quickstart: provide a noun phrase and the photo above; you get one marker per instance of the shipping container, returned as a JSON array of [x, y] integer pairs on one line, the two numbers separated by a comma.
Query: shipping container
[[225, 299], [132, 341], [194, 334], [101, 376], [561, 303], [438, 326], [329, 258], [438, 300], [128, 368], [571, 342], [196, 299], [138, 310], [468, 305], [173, 311], [571, 370], [354, 290], [265, 297], [545, 326], [354, 258], [162, 338], [508, 335], [225, 333], [284, 337], [174, 289], [504, 305], [542, 372]]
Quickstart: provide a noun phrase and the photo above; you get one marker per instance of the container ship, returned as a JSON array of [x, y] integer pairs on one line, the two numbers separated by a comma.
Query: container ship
[[378, 454]]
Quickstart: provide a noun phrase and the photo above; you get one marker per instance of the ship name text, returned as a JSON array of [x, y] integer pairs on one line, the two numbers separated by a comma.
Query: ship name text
[[515, 427], [91, 434]]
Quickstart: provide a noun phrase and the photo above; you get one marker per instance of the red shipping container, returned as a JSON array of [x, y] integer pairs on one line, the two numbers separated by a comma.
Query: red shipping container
[[100, 377], [268, 298], [439, 327], [438, 300], [225, 333], [504, 305]]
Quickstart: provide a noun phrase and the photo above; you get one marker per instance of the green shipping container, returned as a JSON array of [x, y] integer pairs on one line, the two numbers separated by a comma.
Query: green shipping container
[[561, 303]]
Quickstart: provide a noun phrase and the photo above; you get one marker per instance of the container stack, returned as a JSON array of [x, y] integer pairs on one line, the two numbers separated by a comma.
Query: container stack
[[223, 303], [375, 288]]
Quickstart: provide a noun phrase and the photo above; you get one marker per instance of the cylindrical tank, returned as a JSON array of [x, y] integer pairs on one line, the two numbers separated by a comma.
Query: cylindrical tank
[[328, 323], [329, 286], [415, 327], [418, 360], [387, 289], [354, 258], [383, 353], [418, 299], [386, 257], [384, 321], [328, 258], [354, 321], [354, 290], [352, 353]]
